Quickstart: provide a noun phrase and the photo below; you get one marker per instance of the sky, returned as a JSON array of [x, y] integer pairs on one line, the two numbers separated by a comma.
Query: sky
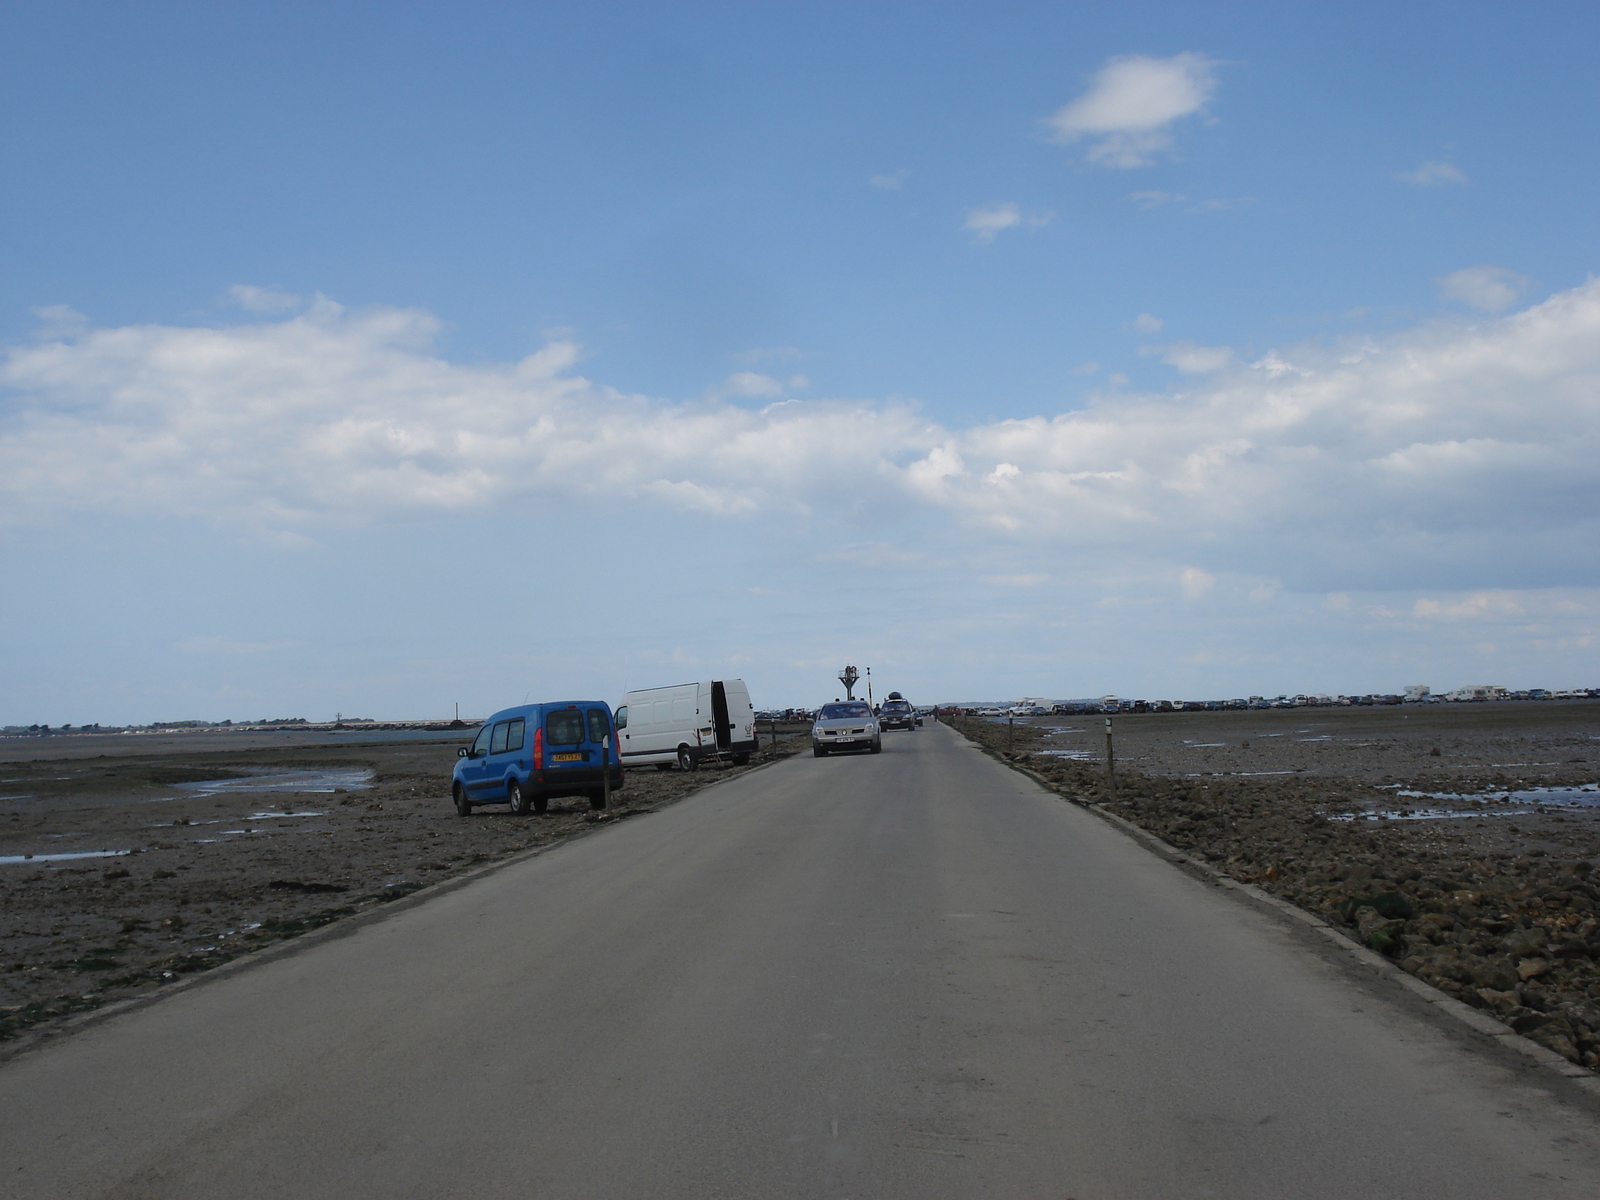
[[375, 359]]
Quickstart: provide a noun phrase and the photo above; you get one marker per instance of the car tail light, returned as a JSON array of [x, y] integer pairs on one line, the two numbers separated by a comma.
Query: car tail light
[[538, 749]]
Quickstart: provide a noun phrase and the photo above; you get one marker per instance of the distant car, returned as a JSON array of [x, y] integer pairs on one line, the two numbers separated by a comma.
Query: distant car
[[897, 713], [845, 725], [526, 755]]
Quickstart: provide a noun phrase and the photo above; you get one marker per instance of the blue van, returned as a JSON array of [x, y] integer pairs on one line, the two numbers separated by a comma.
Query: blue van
[[523, 756]]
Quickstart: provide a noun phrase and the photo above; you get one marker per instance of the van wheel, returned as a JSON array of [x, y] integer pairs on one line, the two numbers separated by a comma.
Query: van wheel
[[597, 800], [686, 759], [741, 760], [540, 802], [519, 799], [463, 805], [663, 766]]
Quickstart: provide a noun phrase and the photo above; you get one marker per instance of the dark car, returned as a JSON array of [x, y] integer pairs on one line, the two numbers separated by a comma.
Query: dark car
[[526, 755], [896, 713]]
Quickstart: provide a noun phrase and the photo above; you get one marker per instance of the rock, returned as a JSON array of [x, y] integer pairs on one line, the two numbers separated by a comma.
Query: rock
[[1495, 973], [1502, 1003], [1525, 943], [1532, 968], [1551, 1038], [1526, 1021], [1377, 932]]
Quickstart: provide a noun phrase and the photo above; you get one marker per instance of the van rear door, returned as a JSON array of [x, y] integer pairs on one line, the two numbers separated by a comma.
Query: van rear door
[[719, 715]]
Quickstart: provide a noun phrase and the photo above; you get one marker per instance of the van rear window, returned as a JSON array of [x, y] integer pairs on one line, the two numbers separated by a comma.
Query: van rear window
[[514, 737], [599, 725], [564, 727], [498, 746]]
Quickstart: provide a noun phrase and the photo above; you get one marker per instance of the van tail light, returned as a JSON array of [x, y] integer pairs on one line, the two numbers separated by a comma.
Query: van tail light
[[538, 749]]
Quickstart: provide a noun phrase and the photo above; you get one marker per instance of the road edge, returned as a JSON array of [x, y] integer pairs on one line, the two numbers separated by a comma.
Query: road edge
[[1463, 1014], [342, 927]]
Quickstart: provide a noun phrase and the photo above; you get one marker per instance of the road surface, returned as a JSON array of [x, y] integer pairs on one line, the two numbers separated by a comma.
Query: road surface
[[906, 975]]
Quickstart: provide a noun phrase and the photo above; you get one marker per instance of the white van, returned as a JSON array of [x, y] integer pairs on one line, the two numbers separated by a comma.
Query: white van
[[687, 722]]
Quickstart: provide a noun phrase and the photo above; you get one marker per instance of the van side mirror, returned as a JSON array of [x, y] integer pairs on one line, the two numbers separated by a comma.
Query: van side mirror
[[461, 752]]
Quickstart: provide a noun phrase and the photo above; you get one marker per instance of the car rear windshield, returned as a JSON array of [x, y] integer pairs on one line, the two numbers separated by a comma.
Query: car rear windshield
[[844, 712], [564, 727]]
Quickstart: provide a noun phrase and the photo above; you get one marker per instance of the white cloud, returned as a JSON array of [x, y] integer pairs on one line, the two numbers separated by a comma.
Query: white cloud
[[759, 354], [984, 223], [230, 646], [58, 321], [1131, 104], [1468, 451], [1487, 605], [1190, 358], [1145, 323], [752, 385], [1433, 174], [1156, 199], [262, 300], [891, 182], [1226, 204], [1197, 584], [1488, 289]]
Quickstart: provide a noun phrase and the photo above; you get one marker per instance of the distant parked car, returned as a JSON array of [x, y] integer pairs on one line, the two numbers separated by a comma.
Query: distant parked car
[[897, 713], [527, 755], [845, 725]]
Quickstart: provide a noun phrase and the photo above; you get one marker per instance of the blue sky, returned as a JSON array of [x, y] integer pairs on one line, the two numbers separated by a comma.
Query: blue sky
[[372, 358]]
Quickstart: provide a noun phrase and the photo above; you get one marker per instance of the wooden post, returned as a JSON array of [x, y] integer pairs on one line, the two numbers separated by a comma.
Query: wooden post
[[605, 771], [1111, 766], [1011, 730]]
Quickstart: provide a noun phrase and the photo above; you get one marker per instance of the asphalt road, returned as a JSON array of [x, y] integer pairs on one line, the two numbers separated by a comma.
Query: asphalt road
[[910, 975]]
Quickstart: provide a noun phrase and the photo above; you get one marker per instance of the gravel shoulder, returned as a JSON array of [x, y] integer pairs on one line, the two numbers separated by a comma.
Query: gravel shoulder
[[1459, 841], [218, 858]]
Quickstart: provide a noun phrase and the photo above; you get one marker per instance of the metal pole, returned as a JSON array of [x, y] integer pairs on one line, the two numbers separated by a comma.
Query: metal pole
[[605, 770], [1111, 765], [1011, 730]]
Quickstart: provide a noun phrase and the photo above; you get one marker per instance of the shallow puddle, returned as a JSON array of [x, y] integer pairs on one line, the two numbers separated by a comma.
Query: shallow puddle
[[1583, 796], [268, 816], [347, 779], [1519, 802], [7, 860]]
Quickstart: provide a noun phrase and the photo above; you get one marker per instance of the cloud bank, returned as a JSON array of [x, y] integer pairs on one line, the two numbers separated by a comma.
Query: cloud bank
[[1457, 454]]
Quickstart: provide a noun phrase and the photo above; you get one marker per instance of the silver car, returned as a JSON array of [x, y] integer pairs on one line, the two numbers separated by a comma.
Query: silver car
[[845, 725]]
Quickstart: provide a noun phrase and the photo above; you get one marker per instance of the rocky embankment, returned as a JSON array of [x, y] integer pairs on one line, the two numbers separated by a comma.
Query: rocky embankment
[[1510, 930]]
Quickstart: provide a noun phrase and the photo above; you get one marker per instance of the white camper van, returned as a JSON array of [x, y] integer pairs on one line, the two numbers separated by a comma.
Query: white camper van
[[687, 722]]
